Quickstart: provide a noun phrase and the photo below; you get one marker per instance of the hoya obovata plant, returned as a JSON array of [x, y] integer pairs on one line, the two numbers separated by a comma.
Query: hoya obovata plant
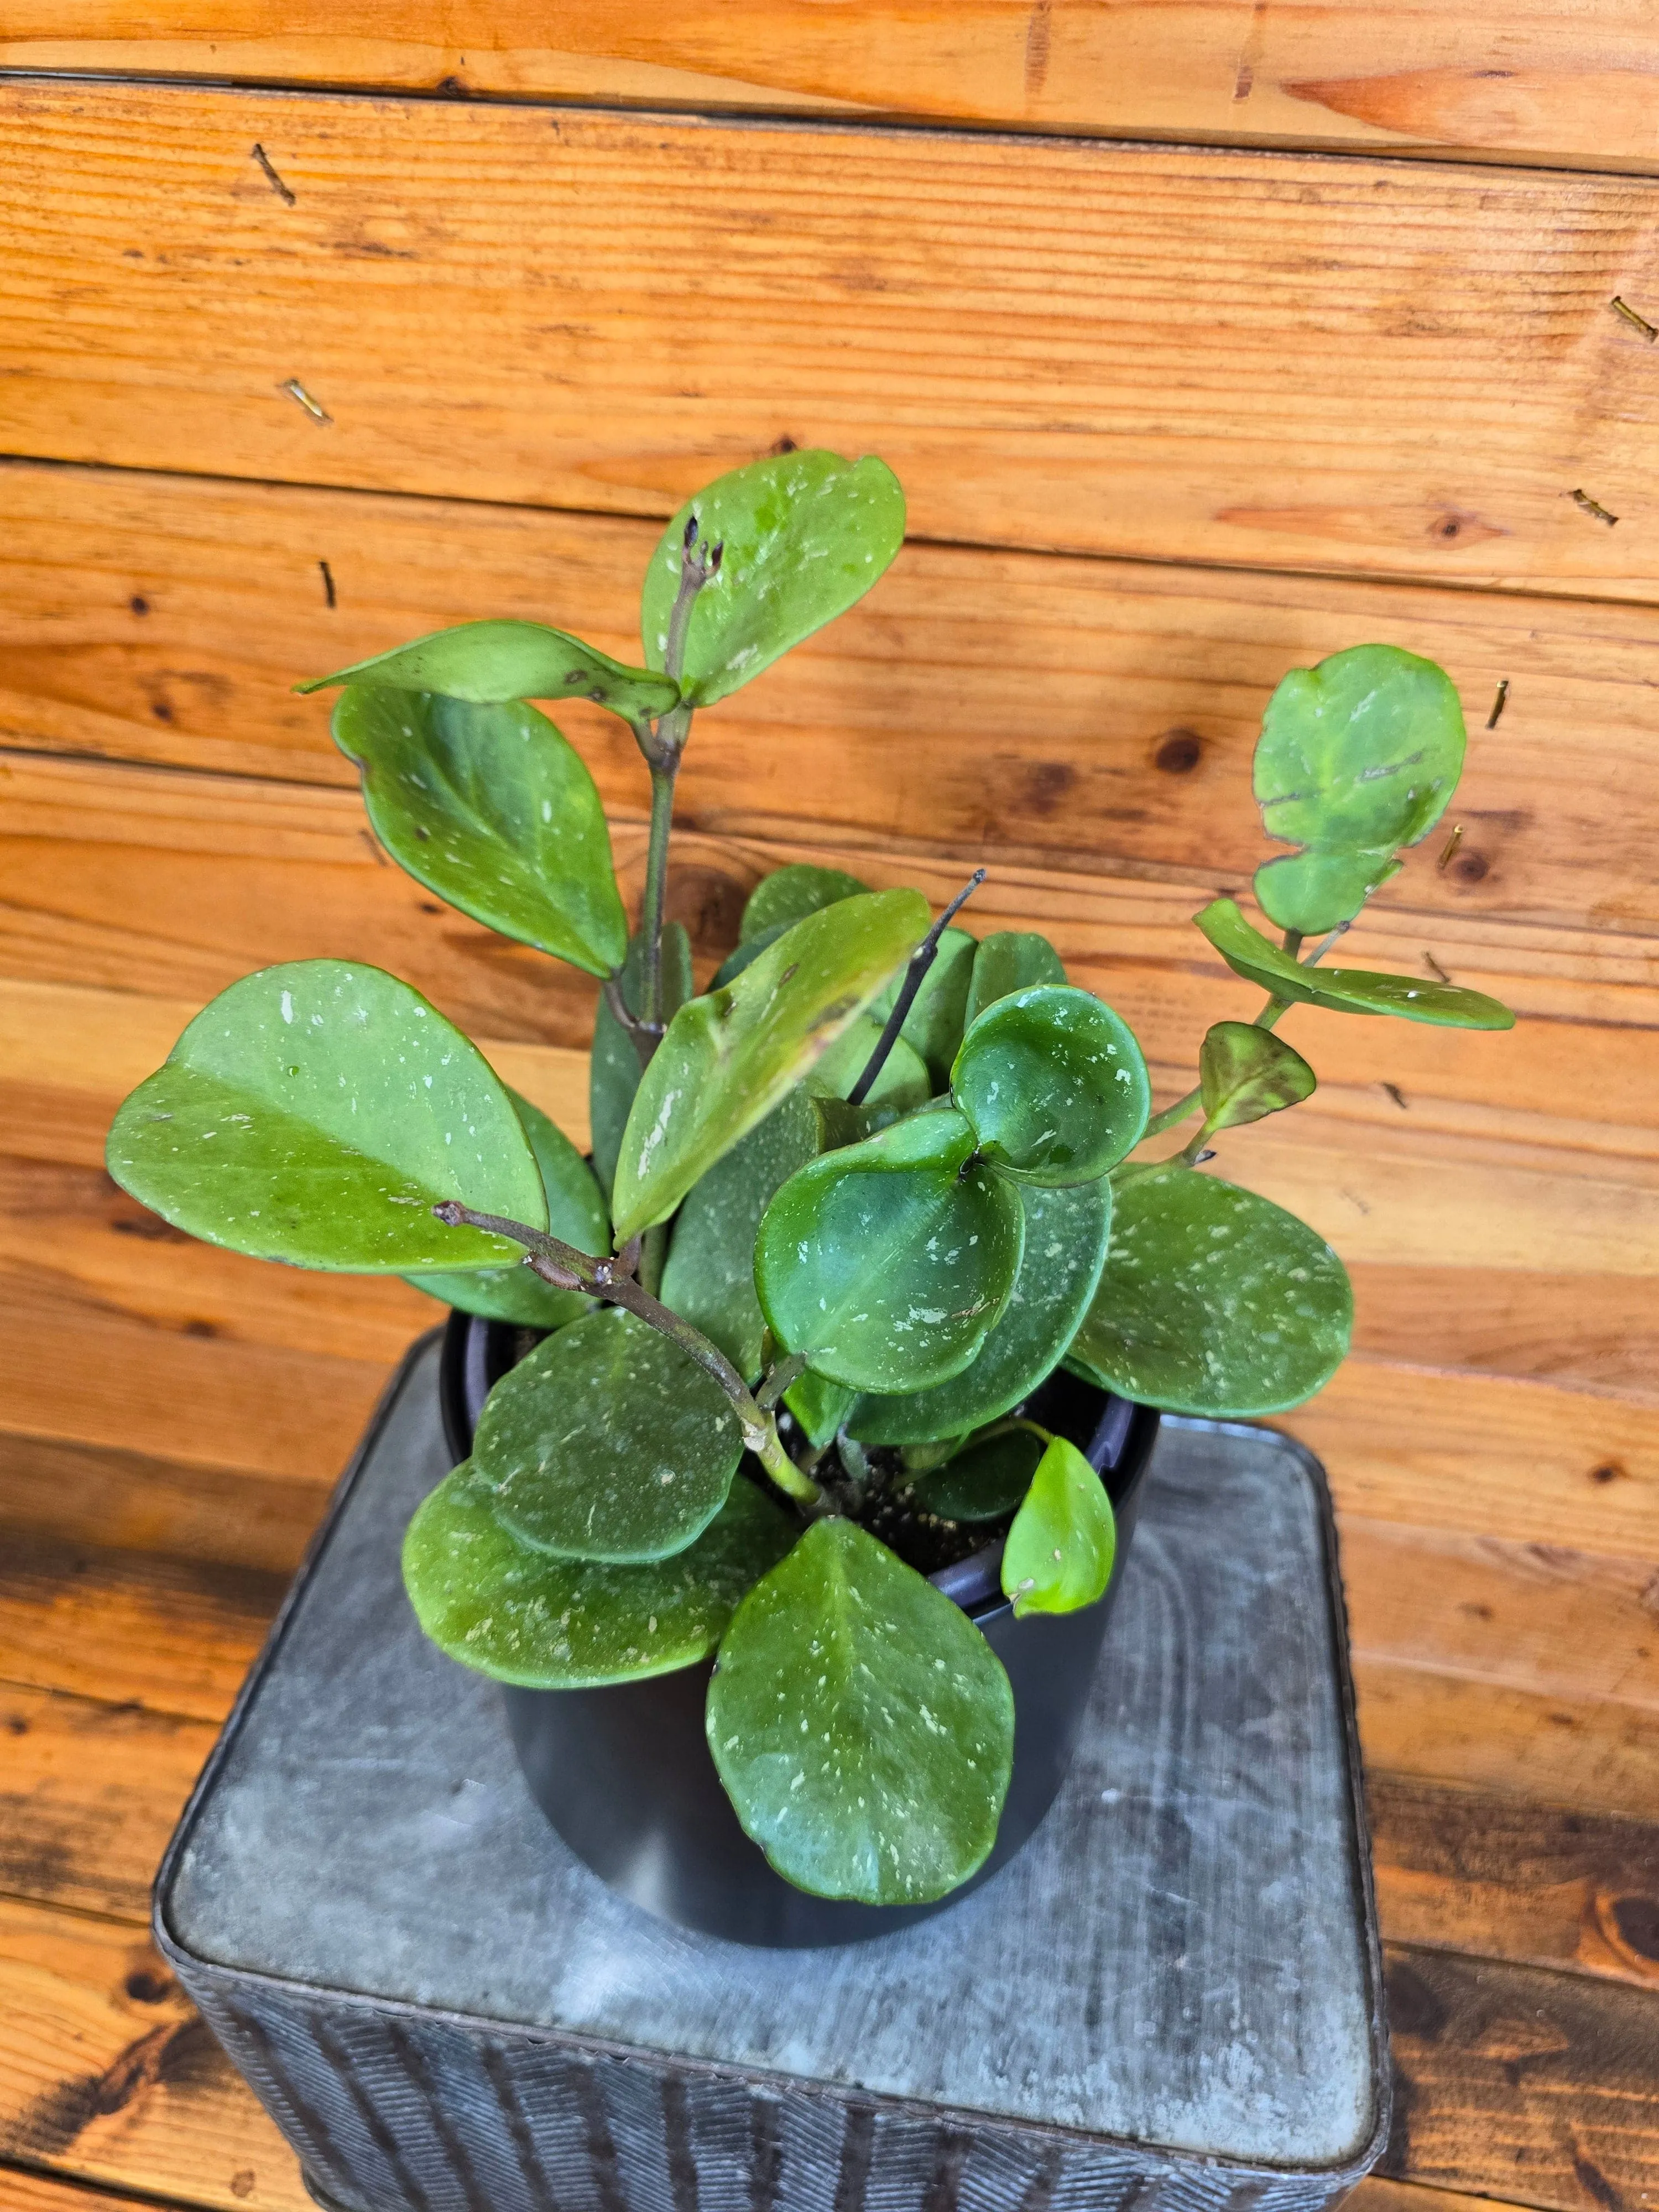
[[847, 1207]]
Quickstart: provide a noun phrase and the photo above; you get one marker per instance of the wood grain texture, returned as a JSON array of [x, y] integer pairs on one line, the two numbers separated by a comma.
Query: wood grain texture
[[1569, 86], [1099, 715], [21, 2192], [1398, 369]]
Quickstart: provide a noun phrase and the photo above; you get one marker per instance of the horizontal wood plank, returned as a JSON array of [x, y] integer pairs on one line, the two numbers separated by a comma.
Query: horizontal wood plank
[[1571, 86], [986, 705], [1401, 369], [22, 2191]]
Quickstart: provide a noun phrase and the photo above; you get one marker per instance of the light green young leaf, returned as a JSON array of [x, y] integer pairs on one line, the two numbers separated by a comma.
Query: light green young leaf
[[1344, 990], [1053, 1083], [525, 1616], [889, 1261], [1246, 1073], [902, 1085], [935, 1025], [1010, 960], [789, 895], [1356, 758], [820, 1406], [489, 807], [613, 1071], [1213, 1301], [491, 663], [1060, 1550], [804, 536], [575, 1214], [862, 1726], [608, 1443], [986, 1480], [1064, 1249], [728, 1058], [316, 1113], [709, 1278]]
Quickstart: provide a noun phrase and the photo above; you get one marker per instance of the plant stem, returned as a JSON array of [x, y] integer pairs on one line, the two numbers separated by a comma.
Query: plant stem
[[642, 1036], [914, 975], [566, 1269], [1171, 1114], [662, 772], [786, 1373], [653, 1257]]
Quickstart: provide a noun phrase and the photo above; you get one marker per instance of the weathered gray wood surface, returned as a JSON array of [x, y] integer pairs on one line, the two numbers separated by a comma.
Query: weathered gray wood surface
[[1180, 1962]]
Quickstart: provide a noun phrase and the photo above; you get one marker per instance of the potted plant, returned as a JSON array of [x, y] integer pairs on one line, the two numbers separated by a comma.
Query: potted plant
[[831, 1361]]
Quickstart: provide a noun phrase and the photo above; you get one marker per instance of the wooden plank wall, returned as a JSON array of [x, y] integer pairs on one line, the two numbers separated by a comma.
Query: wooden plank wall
[[1171, 418]]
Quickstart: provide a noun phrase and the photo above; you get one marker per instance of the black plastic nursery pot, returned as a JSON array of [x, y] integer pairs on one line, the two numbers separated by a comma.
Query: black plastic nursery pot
[[623, 1773]]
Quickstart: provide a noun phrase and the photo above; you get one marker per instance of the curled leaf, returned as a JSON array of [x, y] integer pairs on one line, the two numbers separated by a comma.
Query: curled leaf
[[1245, 1073], [490, 663], [1010, 960], [1344, 990], [1053, 1083]]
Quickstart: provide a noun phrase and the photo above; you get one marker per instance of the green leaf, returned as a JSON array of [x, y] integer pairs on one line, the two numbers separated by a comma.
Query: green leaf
[[820, 1406], [1064, 1249], [729, 1057], [608, 1443], [709, 1278], [935, 1025], [789, 895], [862, 1724], [902, 1085], [804, 536], [491, 663], [489, 807], [986, 1480], [1010, 960], [613, 1072], [746, 954], [523, 1616], [1053, 1083], [1246, 1073], [1344, 990], [889, 1262], [1059, 1555], [1356, 758], [1213, 1301], [575, 1213], [316, 1113]]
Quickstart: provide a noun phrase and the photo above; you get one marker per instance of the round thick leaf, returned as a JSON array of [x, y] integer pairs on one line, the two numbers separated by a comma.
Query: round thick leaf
[[575, 1213], [1066, 1236], [709, 1278], [521, 1615], [613, 1069], [1246, 1073], [729, 1057], [491, 663], [317, 1113], [1053, 1083], [1213, 1301], [889, 1262], [902, 1085], [935, 1025], [1010, 960], [1356, 758], [804, 538], [489, 807], [986, 1480], [608, 1443], [863, 1726], [820, 1406], [789, 895], [1344, 990], [1060, 1550]]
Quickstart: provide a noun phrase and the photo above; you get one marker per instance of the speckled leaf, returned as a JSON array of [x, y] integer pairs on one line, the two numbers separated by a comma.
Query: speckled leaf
[[1356, 758], [613, 1071], [316, 1113], [889, 1261], [608, 1443], [1010, 960], [819, 1405], [1065, 1236], [789, 895], [804, 536], [709, 1278], [1247, 1074], [489, 807], [489, 663], [986, 1480], [1213, 1301], [520, 1615], [1053, 1083], [575, 1212], [902, 1085], [1346, 990], [1059, 1555], [729, 1057], [862, 1724], [933, 1026]]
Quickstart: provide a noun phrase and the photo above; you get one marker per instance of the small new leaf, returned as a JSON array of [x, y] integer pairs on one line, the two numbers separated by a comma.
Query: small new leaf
[[1053, 1083], [490, 663], [1060, 1550], [1344, 990], [1246, 1073]]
